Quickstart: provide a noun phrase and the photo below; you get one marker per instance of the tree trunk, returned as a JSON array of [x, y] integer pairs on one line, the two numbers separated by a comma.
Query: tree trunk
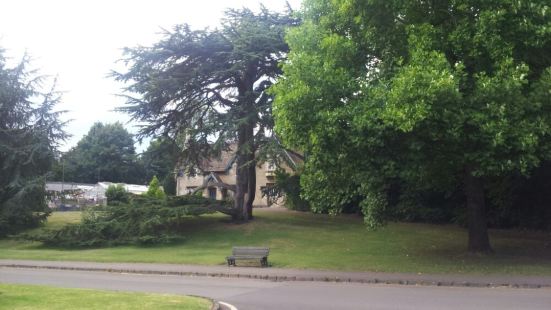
[[241, 177], [479, 241], [246, 152], [251, 172], [251, 187]]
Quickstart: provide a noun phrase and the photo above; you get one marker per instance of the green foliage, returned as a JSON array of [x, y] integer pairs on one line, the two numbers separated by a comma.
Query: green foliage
[[521, 201], [116, 193], [169, 184], [410, 203], [421, 92], [160, 159], [155, 190], [106, 153], [288, 186], [29, 133], [27, 209], [144, 220]]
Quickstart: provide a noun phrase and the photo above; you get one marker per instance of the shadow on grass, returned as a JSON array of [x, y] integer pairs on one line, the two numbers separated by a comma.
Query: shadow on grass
[[514, 252], [305, 240]]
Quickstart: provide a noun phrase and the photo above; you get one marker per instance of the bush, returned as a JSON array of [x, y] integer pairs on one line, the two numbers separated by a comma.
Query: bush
[[27, 209], [155, 190], [169, 185], [289, 186], [116, 194], [521, 201], [144, 220]]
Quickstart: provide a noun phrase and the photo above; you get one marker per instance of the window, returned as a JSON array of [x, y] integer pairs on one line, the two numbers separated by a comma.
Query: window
[[190, 189], [224, 192]]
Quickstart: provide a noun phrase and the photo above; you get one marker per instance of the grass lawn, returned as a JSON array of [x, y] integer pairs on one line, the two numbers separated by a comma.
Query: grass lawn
[[304, 240], [44, 297]]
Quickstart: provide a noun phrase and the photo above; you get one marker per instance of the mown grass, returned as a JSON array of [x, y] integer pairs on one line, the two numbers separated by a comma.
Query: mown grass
[[16, 297], [304, 240]]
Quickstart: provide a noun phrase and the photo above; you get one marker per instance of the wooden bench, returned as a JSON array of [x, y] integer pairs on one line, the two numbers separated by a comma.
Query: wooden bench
[[249, 253]]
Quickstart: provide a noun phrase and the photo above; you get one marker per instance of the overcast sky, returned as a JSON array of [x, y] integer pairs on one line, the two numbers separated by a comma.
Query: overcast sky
[[80, 42]]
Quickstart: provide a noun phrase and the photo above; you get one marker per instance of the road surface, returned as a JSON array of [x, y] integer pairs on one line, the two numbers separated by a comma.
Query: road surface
[[249, 294]]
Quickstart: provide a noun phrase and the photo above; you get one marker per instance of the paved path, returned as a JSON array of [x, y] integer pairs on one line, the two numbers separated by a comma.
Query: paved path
[[280, 274], [249, 294]]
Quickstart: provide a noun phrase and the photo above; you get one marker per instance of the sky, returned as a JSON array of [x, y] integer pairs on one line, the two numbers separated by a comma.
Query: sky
[[79, 43]]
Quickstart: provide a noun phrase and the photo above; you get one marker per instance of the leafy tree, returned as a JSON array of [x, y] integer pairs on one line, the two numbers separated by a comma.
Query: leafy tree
[[29, 134], [106, 153], [160, 160], [208, 88], [441, 94]]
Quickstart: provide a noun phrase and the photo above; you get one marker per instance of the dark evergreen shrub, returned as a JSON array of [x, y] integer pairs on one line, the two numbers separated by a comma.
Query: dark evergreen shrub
[[288, 186], [144, 220]]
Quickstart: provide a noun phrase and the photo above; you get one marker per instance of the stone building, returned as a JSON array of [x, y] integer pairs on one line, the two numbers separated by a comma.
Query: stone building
[[223, 170]]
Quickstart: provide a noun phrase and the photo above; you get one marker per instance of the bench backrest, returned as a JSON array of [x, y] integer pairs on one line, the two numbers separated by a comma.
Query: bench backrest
[[253, 251]]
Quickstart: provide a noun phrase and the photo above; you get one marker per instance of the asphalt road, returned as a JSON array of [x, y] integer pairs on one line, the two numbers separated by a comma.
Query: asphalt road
[[258, 294]]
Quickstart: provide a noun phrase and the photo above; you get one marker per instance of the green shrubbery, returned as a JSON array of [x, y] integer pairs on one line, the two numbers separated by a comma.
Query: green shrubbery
[[155, 190], [26, 209], [116, 194], [288, 186], [143, 220]]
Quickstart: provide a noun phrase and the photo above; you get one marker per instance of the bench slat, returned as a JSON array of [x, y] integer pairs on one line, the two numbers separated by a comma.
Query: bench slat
[[250, 251]]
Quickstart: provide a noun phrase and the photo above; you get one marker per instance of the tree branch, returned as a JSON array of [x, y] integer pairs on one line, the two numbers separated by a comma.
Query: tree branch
[[220, 97]]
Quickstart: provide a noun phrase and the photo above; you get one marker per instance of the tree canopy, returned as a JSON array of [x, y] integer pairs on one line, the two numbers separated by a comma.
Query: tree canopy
[[105, 153], [207, 89], [443, 94], [30, 131], [160, 159]]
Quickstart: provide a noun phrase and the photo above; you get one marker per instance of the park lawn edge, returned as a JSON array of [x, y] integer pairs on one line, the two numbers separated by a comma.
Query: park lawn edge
[[311, 241], [31, 296]]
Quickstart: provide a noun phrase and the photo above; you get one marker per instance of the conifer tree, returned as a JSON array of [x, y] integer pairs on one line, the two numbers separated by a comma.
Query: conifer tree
[[29, 135]]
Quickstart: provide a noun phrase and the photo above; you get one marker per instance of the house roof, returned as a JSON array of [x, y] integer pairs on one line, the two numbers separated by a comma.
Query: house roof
[[220, 164], [213, 177], [295, 157], [226, 159]]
